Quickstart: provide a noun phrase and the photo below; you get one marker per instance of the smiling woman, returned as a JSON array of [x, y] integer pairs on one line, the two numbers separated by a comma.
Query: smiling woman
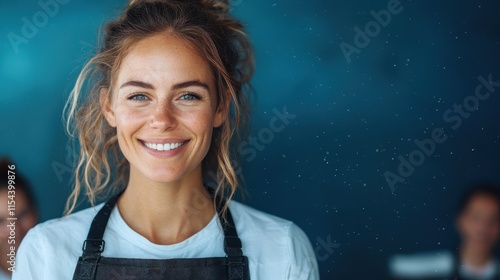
[[167, 97]]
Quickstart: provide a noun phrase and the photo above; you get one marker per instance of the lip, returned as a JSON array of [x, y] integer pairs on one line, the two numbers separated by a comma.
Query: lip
[[163, 140], [164, 154]]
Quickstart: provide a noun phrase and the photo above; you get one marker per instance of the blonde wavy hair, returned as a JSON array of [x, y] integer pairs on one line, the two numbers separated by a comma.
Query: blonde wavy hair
[[101, 169]]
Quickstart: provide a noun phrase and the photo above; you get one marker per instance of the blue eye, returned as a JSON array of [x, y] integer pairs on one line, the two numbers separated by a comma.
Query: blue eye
[[138, 97], [190, 97]]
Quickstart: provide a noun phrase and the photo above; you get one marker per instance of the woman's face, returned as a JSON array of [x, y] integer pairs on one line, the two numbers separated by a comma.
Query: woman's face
[[164, 108]]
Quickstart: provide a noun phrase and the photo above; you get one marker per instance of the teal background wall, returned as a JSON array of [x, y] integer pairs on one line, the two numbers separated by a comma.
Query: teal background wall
[[350, 118]]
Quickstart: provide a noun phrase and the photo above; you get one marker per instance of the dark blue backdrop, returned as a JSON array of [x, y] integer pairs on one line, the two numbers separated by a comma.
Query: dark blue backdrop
[[351, 118]]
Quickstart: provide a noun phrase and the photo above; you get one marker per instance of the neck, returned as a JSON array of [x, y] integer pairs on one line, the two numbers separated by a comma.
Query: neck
[[166, 213], [474, 258]]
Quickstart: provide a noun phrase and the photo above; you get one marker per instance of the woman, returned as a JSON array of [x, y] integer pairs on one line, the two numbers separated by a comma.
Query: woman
[[166, 98]]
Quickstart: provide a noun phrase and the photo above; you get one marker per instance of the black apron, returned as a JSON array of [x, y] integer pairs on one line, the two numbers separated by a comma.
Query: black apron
[[92, 266]]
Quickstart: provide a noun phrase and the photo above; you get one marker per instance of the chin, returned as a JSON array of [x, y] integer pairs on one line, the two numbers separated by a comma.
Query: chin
[[163, 176]]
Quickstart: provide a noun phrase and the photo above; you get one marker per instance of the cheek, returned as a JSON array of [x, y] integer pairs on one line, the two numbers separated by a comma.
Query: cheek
[[199, 120], [467, 226], [4, 234], [129, 120]]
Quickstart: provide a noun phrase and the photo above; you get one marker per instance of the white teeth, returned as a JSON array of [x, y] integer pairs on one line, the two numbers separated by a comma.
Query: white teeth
[[163, 147]]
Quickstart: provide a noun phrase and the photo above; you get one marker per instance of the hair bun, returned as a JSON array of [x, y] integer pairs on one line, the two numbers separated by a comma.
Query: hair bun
[[221, 6]]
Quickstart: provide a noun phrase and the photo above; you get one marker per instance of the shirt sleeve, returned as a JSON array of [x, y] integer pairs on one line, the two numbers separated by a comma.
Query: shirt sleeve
[[30, 259], [303, 263]]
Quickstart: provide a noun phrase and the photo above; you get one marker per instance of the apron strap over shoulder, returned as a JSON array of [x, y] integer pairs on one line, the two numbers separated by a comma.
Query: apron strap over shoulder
[[94, 245], [232, 247]]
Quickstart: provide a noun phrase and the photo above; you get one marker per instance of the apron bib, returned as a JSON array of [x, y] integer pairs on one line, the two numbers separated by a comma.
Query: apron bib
[[92, 266]]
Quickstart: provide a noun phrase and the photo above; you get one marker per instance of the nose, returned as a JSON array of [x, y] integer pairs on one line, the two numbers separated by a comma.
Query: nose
[[163, 118]]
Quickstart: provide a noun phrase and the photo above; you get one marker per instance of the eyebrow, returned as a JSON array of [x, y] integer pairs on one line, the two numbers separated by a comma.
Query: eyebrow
[[195, 83], [137, 84], [176, 86]]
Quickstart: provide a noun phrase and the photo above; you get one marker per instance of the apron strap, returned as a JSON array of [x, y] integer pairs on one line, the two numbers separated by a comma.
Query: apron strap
[[232, 247], [232, 243], [93, 246]]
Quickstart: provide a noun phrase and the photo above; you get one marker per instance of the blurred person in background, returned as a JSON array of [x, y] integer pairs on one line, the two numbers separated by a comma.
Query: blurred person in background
[[478, 224], [25, 212]]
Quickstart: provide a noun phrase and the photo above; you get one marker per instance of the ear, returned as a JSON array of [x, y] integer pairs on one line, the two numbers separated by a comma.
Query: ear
[[221, 113], [107, 111]]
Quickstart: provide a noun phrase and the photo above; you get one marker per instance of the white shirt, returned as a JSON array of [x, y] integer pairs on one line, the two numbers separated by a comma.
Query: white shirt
[[277, 249], [4, 276], [436, 265], [486, 272]]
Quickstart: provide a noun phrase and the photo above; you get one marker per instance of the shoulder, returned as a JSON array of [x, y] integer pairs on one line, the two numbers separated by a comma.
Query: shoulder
[[73, 228], [273, 241], [259, 220], [426, 264], [53, 247], [3, 276], [252, 223]]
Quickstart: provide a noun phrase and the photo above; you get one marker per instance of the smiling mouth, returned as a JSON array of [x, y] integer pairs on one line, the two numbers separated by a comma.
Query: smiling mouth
[[164, 147]]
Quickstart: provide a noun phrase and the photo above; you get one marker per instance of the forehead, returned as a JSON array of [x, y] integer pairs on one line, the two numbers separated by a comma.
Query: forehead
[[164, 57]]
